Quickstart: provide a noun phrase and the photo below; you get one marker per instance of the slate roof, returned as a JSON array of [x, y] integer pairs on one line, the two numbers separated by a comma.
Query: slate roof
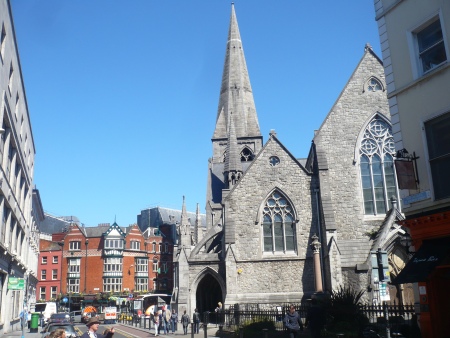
[[160, 216], [217, 180], [353, 252], [56, 224]]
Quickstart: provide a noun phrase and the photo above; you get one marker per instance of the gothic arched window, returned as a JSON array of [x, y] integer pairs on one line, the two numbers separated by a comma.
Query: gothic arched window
[[374, 85], [377, 166], [246, 155], [278, 224]]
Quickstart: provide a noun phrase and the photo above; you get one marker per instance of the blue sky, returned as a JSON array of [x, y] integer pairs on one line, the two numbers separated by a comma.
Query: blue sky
[[123, 98]]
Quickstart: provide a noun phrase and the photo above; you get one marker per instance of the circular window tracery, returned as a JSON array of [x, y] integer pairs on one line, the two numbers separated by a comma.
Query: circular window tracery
[[274, 161]]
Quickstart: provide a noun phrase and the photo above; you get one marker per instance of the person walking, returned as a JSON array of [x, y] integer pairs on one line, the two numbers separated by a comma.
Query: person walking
[[29, 319], [315, 319], [156, 322], [293, 323], [196, 320], [166, 319], [92, 325], [162, 322], [174, 320], [185, 322]]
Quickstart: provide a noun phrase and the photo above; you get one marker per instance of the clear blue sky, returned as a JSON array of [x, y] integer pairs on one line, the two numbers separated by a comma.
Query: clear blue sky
[[123, 95]]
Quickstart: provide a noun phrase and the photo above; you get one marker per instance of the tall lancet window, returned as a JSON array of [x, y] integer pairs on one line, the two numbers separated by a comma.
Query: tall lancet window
[[377, 167], [278, 224]]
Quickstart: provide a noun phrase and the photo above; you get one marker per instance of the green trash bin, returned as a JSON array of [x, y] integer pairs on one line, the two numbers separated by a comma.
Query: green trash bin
[[34, 325]]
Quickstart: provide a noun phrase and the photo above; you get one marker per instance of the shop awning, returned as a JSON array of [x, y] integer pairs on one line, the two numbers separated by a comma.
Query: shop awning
[[425, 260]]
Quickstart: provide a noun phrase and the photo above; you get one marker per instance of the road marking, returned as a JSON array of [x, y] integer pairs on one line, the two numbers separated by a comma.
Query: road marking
[[124, 333]]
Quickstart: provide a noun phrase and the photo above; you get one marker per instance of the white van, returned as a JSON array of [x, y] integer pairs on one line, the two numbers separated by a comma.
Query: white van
[[46, 309]]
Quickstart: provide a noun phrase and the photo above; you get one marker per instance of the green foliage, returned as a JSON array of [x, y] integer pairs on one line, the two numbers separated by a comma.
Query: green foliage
[[372, 234], [253, 328], [343, 312]]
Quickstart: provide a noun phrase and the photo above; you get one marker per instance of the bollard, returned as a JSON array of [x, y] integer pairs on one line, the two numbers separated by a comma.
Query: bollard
[[241, 332], [192, 329], [205, 323], [205, 329], [266, 332]]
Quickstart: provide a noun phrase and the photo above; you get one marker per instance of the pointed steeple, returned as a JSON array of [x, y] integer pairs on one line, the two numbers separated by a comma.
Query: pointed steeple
[[185, 227], [236, 94], [197, 224], [233, 167]]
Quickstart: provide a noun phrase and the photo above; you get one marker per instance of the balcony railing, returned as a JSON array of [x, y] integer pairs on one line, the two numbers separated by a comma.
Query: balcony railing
[[112, 252], [112, 274], [73, 275]]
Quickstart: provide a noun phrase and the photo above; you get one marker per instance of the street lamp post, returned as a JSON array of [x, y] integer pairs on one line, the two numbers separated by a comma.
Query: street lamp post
[[85, 265]]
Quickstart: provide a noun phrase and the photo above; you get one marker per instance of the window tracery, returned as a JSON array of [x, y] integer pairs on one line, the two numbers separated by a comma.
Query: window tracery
[[373, 85], [246, 155], [278, 224], [377, 166]]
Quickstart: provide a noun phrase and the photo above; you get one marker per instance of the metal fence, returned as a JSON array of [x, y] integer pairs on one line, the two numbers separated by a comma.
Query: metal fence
[[401, 318], [242, 315]]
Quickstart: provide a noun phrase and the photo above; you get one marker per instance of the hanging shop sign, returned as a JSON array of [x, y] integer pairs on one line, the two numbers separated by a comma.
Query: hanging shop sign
[[15, 283]]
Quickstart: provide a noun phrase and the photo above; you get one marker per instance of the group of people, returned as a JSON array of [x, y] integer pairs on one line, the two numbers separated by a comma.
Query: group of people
[[164, 320], [315, 320]]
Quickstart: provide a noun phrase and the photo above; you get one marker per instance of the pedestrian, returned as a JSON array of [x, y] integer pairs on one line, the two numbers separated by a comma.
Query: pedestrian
[[315, 319], [165, 319], [162, 323], [196, 320], [185, 322], [174, 320], [156, 322], [29, 319], [22, 316], [219, 315], [92, 325], [293, 323]]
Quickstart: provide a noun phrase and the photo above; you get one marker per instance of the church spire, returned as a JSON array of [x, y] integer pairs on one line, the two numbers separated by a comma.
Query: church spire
[[197, 224], [236, 92], [233, 167], [185, 227]]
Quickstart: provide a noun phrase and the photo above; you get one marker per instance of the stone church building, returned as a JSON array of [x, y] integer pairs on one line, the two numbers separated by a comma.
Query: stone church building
[[264, 205]]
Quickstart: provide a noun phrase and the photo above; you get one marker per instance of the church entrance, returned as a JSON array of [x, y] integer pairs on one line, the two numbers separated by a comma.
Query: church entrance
[[208, 294]]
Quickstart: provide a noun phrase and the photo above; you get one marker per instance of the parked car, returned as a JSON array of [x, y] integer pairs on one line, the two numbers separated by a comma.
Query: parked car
[[68, 327], [59, 317], [75, 316]]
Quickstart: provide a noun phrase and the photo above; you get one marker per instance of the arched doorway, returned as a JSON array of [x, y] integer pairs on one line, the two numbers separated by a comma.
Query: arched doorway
[[208, 294]]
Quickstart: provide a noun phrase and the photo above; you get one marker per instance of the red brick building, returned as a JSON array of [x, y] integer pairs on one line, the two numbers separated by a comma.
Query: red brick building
[[116, 260], [49, 270]]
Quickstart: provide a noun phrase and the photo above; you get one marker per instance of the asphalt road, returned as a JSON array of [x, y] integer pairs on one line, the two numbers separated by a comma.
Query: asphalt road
[[120, 331]]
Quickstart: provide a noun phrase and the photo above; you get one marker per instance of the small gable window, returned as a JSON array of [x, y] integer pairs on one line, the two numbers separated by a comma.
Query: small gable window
[[278, 224], [377, 167], [373, 85], [274, 161]]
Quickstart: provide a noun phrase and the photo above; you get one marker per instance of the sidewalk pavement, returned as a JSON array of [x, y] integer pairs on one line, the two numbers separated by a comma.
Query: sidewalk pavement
[[18, 334], [212, 329], [211, 332]]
